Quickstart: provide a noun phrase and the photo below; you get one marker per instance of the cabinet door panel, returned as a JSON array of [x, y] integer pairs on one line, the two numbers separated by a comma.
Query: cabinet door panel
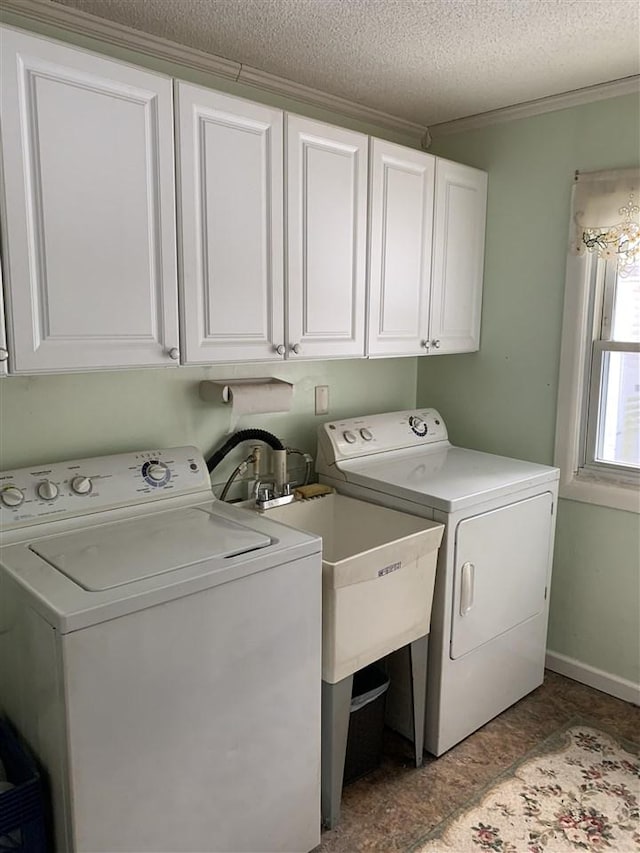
[[401, 221], [327, 194], [89, 209], [458, 257], [231, 211]]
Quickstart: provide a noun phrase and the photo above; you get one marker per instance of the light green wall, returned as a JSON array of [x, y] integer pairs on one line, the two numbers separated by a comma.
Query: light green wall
[[53, 418], [503, 398]]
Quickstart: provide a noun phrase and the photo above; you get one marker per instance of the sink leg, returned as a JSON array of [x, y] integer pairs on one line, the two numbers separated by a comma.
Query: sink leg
[[336, 704], [418, 653]]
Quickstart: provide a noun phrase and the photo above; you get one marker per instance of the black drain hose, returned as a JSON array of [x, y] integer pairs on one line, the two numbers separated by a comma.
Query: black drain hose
[[237, 438]]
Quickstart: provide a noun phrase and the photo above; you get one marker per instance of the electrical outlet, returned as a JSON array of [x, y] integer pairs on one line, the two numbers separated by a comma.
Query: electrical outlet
[[322, 399]]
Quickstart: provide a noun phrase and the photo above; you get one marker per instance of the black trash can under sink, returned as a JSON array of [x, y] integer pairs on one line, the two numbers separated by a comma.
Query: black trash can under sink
[[366, 723]]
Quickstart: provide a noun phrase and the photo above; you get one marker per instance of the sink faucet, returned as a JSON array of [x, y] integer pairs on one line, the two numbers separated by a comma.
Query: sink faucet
[[277, 490], [268, 494]]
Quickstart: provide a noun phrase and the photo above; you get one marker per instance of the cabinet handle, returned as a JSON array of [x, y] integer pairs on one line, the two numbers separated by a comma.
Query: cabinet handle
[[4, 355], [466, 592], [174, 353], [425, 344], [296, 349], [435, 344], [280, 349]]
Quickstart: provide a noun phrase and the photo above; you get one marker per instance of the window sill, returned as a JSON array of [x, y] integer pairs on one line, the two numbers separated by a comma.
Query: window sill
[[588, 489]]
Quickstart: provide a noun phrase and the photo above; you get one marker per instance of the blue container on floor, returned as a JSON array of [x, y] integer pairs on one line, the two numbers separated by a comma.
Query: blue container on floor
[[22, 813]]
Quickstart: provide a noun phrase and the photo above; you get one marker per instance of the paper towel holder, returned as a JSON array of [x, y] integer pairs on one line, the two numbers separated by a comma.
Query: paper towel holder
[[221, 391]]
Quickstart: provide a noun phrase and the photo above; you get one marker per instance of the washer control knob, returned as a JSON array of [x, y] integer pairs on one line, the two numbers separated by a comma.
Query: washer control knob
[[349, 437], [47, 490], [11, 496], [366, 434], [157, 471], [81, 485]]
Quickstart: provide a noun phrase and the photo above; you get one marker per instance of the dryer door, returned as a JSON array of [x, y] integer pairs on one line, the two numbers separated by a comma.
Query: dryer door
[[501, 566]]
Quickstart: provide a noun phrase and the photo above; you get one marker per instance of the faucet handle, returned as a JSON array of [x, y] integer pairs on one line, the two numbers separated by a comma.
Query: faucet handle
[[263, 490]]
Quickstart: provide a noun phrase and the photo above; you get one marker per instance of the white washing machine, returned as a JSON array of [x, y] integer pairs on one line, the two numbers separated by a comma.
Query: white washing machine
[[490, 608], [161, 655]]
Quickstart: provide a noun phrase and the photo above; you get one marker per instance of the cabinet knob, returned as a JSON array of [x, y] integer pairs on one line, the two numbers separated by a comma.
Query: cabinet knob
[[174, 353], [436, 344], [296, 348], [281, 349], [425, 344], [4, 355]]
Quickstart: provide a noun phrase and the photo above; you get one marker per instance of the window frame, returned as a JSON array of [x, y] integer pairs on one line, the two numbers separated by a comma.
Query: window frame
[[582, 478]]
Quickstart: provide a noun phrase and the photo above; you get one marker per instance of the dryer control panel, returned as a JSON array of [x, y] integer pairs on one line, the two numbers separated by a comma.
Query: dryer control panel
[[83, 486], [364, 436]]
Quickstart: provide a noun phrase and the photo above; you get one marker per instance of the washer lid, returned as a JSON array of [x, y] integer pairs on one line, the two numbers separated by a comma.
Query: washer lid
[[116, 554], [447, 478]]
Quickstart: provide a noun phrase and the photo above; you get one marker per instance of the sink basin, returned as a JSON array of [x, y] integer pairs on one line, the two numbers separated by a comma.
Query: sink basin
[[378, 573]]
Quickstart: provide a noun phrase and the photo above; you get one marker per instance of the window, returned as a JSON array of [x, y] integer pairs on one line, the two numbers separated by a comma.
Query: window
[[612, 435], [598, 425]]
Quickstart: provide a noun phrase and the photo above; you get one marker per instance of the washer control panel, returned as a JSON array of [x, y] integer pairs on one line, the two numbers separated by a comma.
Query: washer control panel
[[370, 434], [82, 486]]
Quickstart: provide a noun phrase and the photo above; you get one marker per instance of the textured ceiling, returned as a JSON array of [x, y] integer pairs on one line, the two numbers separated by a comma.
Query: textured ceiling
[[427, 61]]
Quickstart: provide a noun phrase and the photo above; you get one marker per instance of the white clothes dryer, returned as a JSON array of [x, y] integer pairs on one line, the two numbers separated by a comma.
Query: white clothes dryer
[[160, 653], [490, 610]]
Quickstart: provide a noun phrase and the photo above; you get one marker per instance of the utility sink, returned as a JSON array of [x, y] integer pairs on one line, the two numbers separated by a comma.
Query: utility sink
[[378, 574]]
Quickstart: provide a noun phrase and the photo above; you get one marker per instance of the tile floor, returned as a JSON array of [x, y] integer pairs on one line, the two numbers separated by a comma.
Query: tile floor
[[396, 805]]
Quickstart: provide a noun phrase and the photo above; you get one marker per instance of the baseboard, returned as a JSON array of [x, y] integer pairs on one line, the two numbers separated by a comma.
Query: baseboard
[[585, 674]]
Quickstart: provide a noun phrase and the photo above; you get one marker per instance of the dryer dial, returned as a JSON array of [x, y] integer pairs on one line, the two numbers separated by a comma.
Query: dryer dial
[[418, 426]]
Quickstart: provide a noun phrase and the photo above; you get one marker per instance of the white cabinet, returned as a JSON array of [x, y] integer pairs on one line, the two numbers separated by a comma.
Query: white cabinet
[[4, 352], [326, 239], [89, 210], [401, 224], [230, 198], [272, 226], [458, 257], [426, 253], [231, 221]]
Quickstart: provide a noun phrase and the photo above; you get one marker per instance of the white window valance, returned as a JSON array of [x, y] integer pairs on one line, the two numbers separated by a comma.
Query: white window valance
[[606, 215]]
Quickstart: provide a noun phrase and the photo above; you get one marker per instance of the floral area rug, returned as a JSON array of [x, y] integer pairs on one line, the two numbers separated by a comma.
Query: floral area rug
[[580, 791]]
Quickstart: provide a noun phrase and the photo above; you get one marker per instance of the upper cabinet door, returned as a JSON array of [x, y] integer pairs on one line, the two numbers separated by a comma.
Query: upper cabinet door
[[89, 224], [230, 193], [4, 352], [458, 257], [326, 232], [401, 222]]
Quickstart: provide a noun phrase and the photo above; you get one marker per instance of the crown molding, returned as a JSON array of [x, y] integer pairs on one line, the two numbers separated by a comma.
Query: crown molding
[[273, 83], [76, 21], [83, 23], [575, 98]]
